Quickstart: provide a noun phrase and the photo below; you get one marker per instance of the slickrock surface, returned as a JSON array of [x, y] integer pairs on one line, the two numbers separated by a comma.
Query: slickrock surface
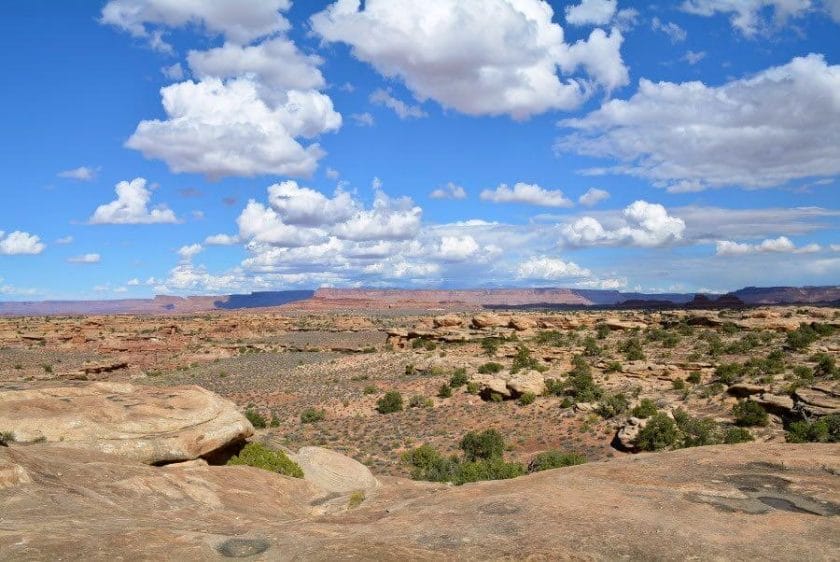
[[744, 502], [141, 423]]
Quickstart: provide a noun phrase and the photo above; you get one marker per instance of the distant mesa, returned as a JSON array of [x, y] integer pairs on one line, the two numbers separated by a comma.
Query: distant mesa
[[326, 299]]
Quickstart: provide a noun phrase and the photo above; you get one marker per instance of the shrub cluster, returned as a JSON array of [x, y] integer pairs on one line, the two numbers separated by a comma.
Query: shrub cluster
[[391, 402], [259, 456], [257, 420], [823, 430], [312, 415], [806, 334], [661, 432]]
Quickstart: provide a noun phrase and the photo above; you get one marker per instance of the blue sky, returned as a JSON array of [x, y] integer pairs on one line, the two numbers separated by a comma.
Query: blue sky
[[150, 147]]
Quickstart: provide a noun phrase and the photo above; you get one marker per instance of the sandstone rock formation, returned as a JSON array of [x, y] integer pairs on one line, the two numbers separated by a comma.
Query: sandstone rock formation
[[744, 502], [333, 472], [146, 424]]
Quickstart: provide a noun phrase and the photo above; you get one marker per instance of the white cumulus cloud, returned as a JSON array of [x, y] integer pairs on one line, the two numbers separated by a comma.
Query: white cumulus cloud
[[550, 269], [132, 207], [761, 131], [530, 194], [480, 57], [449, 191], [85, 259], [82, 173], [591, 12], [20, 243], [593, 196], [748, 16], [782, 244], [645, 224]]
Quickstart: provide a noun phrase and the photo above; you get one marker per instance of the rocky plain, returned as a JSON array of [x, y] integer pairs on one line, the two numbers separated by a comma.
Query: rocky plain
[[456, 433]]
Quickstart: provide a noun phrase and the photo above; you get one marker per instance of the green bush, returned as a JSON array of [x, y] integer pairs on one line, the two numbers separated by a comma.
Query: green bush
[[554, 459], [6, 437], [312, 415], [473, 388], [749, 413], [678, 384], [633, 349], [487, 469], [728, 373], [485, 445], [445, 391], [613, 405], [613, 367], [822, 430], [601, 331], [590, 347], [490, 346], [806, 334], [735, 435], [390, 403], [524, 361], [527, 398], [696, 432], [458, 378], [490, 368], [259, 456], [693, 377], [370, 389], [420, 401], [256, 419], [427, 464], [580, 383], [660, 432], [644, 409], [825, 366]]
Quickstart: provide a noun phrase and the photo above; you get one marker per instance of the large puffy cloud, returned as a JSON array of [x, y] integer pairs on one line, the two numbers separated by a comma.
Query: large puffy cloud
[[747, 16], [761, 131], [304, 206], [132, 207], [226, 129], [20, 243], [238, 21], [276, 64], [479, 57], [782, 244], [550, 269], [389, 219], [531, 194], [645, 224]]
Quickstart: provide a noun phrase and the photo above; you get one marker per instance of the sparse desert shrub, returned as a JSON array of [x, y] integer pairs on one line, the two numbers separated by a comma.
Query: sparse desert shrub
[[822, 430], [523, 360], [601, 331], [527, 398], [356, 499], [6, 437], [256, 418], [644, 409], [693, 377], [275, 421], [370, 389], [825, 366], [550, 337], [487, 469], [427, 464], [728, 373], [613, 405], [696, 432], [633, 349], [749, 413], [660, 432], [580, 383], [420, 401], [806, 334], [490, 346], [678, 384], [259, 456], [613, 367], [490, 368], [445, 391], [390, 403], [554, 459], [485, 445], [590, 347], [473, 388], [735, 435], [312, 415], [458, 378]]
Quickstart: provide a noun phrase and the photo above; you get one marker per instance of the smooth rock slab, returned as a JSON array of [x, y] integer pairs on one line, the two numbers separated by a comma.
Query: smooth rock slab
[[333, 472], [146, 424]]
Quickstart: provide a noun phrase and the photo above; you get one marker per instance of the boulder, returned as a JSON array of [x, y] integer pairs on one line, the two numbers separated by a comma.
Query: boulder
[[142, 423], [775, 403], [12, 474], [482, 321], [522, 323], [817, 400], [616, 324], [492, 384], [529, 381], [447, 321], [333, 472], [628, 432]]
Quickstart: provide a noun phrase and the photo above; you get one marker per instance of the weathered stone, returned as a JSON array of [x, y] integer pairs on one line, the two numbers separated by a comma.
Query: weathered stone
[[817, 400], [628, 432], [447, 321], [744, 389], [482, 321], [522, 323], [333, 472], [775, 404], [146, 424], [529, 381]]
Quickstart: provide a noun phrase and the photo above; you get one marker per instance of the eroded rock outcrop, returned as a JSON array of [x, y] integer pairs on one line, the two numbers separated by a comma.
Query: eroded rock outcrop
[[146, 424]]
